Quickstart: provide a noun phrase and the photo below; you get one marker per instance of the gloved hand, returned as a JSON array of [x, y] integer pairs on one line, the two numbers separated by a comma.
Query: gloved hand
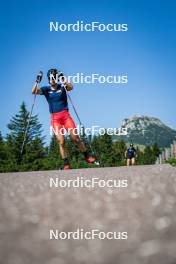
[[39, 77], [61, 76]]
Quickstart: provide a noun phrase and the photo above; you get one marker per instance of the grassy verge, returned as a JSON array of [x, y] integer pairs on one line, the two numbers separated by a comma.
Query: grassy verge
[[172, 161]]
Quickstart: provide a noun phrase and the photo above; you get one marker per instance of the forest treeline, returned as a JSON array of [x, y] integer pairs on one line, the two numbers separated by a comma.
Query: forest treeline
[[37, 156]]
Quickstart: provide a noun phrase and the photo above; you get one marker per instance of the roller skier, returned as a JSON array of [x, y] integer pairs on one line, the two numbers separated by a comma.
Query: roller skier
[[56, 96]]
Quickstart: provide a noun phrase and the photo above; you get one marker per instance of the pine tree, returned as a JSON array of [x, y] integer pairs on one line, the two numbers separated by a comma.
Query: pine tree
[[148, 156], [34, 149], [140, 157], [54, 159], [156, 150], [3, 154], [103, 146], [119, 149]]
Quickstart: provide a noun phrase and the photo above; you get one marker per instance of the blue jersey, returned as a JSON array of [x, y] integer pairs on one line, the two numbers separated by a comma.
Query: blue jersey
[[57, 99], [131, 153]]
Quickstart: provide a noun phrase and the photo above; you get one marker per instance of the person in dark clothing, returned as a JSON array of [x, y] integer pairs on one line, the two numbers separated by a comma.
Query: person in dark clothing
[[130, 155]]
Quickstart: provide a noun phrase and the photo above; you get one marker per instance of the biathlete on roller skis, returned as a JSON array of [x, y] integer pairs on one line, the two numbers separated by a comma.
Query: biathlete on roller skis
[[56, 96]]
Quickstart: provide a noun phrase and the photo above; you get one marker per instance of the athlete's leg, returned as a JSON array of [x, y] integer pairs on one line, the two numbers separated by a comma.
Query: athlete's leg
[[63, 152], [133, 161], [71, 128], [76, 139], [60, 139], [56, 123], [128, 162]]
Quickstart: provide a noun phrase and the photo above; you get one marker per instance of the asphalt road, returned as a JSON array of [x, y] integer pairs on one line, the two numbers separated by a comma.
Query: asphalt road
[[145, 211]]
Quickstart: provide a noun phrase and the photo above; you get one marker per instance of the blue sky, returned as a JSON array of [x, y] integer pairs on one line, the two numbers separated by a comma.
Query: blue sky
[[146, 53]]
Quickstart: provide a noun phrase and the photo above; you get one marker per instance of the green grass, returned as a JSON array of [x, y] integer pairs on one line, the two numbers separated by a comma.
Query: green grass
[[172, 161]]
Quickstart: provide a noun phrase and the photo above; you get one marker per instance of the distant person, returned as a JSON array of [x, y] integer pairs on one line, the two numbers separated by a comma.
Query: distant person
[[130, 155], [56, 96]]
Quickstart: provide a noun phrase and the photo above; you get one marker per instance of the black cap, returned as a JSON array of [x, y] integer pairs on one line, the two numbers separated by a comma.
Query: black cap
[[52, 71]]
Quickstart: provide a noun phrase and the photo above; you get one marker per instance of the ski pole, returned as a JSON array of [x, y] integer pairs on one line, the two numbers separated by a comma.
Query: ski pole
[[76, 113], [39, 78]]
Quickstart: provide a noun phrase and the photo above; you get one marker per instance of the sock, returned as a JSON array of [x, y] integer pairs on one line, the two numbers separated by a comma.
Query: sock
[[85, 153], [66, 161]]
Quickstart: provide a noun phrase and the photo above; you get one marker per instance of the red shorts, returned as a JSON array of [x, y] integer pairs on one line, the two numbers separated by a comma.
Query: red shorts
[[62, 120]]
